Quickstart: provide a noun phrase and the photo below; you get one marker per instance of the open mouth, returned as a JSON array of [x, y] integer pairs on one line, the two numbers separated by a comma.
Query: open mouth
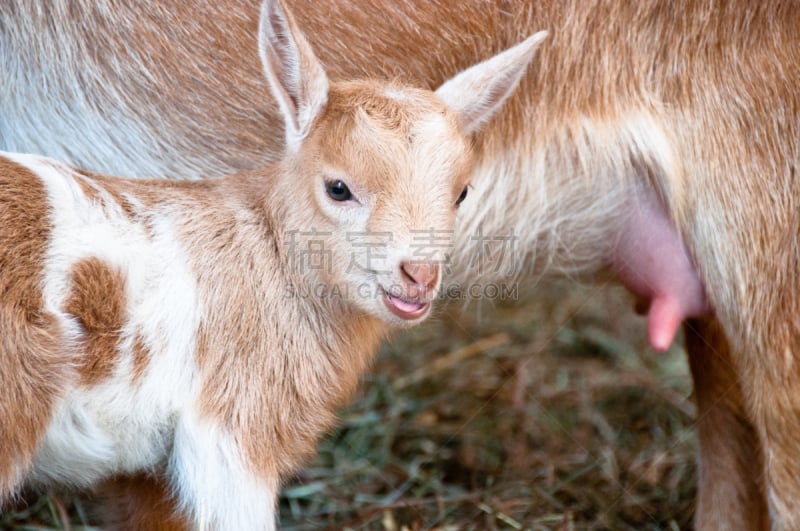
[[404, 308]]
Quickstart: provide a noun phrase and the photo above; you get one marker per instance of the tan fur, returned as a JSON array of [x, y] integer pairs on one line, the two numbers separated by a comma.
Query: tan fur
[[698, 100], [306, 413], [32, 364], [97, 301], [111, 192], [729, 446]]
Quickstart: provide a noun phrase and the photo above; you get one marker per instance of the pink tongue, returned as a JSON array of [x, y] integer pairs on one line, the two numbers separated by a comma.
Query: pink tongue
[[403, 305]]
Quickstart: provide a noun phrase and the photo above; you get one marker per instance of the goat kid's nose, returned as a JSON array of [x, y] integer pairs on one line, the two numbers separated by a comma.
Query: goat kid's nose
[[422, 275]]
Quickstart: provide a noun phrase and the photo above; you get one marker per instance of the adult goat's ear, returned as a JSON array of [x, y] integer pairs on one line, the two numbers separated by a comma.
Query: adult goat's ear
[[295, 75], [476, 93]]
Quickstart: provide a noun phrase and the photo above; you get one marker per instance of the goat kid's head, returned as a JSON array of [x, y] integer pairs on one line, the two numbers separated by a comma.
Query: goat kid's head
[[375, 172]]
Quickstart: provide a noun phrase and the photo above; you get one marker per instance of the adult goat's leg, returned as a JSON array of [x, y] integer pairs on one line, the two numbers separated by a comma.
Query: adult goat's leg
[[730, 488]]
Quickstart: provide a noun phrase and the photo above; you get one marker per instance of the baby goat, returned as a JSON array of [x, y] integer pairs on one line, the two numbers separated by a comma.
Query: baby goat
[[199, 335]]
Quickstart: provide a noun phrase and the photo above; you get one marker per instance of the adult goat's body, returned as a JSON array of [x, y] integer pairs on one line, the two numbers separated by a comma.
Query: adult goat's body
[[691, 106]]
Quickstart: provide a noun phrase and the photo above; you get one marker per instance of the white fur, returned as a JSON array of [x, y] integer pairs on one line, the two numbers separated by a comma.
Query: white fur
[[562, 219], [207, 466]]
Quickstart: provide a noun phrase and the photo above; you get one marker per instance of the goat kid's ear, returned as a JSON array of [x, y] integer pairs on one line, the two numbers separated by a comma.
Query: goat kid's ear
[[295, 75], [476, 93]]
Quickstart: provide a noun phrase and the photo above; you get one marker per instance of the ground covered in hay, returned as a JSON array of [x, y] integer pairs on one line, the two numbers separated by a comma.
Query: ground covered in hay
[[547, 413]]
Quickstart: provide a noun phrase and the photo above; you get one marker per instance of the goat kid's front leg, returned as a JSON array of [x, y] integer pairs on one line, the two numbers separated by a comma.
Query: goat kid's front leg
[[730, 487], [215, 485]]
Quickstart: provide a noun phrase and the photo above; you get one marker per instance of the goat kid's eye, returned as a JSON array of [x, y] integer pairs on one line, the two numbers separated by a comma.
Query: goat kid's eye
[[462, 196], [338, 191]]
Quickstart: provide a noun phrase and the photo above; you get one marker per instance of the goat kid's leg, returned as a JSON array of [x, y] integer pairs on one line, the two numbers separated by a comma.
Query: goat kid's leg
[[730, 487], [214, 482], [142, 503]]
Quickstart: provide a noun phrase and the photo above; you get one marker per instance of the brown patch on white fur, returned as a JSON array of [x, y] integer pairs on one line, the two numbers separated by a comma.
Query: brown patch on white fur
[[141, 357], [23, 237], [32, 368], [719, 84], [97, 301]]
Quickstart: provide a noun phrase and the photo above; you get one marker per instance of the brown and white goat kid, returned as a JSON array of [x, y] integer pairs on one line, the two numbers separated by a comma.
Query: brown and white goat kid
[[173, 330], [649, 133]]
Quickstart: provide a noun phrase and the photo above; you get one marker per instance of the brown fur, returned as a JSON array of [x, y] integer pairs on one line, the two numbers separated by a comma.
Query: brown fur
[[89, 191], [141, 502], [141, 357], [32, 367], [97, 301]]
